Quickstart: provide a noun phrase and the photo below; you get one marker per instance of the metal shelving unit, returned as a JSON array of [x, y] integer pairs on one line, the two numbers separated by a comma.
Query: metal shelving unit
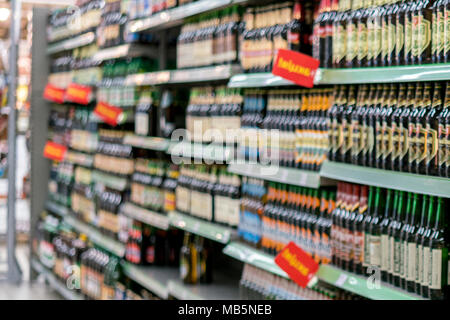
[[80, 158], [128, 50], [156, 279], [303, 178], [152, 218], [202, 228], [432, 72], [96, 237], [56, 208], [59, 287], [150, 143], [222, 288], [109, 180], [71, 43], [327, 273], [176, 16], [191, 75], [208, 152], [409, 182]]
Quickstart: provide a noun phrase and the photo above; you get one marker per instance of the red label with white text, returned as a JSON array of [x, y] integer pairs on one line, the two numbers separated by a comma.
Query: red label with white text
[[298, 264], [296, 67], [78, 93], [55, 151], [108, 113], [53, 93]]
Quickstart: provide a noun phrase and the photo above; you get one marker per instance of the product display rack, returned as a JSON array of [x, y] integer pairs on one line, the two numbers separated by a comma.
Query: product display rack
[[55, 283], [149, 217], [403, 181], [163, 281], [430, 72], [326, 273], [210, 230], [71, 43], [176, 16]]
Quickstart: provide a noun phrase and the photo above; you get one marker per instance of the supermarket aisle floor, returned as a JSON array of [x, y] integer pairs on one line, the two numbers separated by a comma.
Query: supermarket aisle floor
[[25, 290]]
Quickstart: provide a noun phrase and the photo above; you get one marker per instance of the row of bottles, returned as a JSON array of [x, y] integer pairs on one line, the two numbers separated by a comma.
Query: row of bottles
[[401, 127], [286, 127], [147, 245], [301, 215], [374, 33], [252, 207], [144, 8], [258, 284], [270, 28], [404, 236], [210, 193], [196, 259], [210, 38], [214, 114]]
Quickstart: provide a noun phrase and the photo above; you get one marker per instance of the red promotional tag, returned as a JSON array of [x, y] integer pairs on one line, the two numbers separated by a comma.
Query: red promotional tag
[[53, 93], [108, 113], [54, 151], [296, 67], [78, 93], [298, 264]]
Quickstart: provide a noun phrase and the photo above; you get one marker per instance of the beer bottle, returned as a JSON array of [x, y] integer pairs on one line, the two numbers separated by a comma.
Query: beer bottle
[[386, 8], [352, 34], [403, 244], [359, 232], [426, 249], [360, 155], [294, 28], [396, 127], [411, 246], [421, 133], [366, 229], [403, 159], [341, 138], [400, 33], [432, 129], [185, 260], [447, 147], [334, 225], [346, 245], [395, 240], [377, 25], [370, 24], [347, 131], [350, 226], [391, 203], [379, 136], [363, 41], [435, 31], [390, 237], [332, 116], [326, 231], [356, 127], [388, 126], [367, 136], [373, 118], [374, 230], [341, 231], [438, 268], [419, 248], [206, 257], [392, 32], [425, 20], [340, 35], [447, 31], [443, 134], [412, 129], [409, 14]]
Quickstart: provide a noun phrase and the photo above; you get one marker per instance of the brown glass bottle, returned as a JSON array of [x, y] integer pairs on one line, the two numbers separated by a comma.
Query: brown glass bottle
[[400, 33], [403, 159], [421, 30], [387, 127], [409, 13], [347, 131], [366, 228], [432, 130], [363, 40], [396, 127], [412, 137], [394, 7], [379, 136], [443, 134], [421, 133]]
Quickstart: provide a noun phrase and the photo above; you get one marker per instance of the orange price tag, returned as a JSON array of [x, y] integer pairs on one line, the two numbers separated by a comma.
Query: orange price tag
[[53, 93], [78, 93], [109, 114], [54, 151]]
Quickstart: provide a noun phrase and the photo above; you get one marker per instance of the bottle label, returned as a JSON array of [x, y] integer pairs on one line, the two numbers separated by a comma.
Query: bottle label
[[379, 140], [412, 142], [431, 144], [341, 41], [426, 262], [366, 260], [375, 250], [362, 41], [392, 38], [434, 34], [370, 38], [442, 144], [408, 36], [397, 257], [424, 35], [385, 252], [411, 266], [352, 42], [421, 142], [391, 255], [419, 266], [384, 39], [436, 269], [399, 38], [377, 41], [441, 40]]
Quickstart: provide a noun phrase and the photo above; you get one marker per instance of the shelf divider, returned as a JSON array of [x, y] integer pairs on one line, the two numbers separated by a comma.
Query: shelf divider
[[408, 182], [152, 218]]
